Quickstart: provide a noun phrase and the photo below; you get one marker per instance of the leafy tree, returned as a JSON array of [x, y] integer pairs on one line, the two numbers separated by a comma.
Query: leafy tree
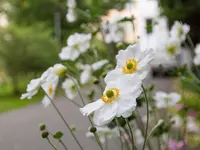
[[25, 50]]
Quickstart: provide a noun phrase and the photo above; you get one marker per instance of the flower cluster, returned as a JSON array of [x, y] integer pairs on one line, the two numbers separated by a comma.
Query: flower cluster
[[123, 86]]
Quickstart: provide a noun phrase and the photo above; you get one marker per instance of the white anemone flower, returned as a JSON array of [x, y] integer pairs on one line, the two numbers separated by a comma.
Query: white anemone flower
[[164, 100], [48, 82], [179, 30], [118, 99], [70, 88], [112, 30], [177, 121], [71, 3], [104, 133], [71, 15], [192, 125], [173, 46], [197, 55], [76, 44], [86, 75], [32, 88], [131, 61]]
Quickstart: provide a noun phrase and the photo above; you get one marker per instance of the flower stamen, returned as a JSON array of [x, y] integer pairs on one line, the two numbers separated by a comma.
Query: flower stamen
[[130, 66], [110, 95], [50, 91]]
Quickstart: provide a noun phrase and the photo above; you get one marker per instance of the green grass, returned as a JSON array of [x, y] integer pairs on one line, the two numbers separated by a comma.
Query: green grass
[[8, 103]]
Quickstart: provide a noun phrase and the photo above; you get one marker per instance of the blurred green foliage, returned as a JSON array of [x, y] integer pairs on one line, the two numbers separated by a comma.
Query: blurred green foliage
[[186, 11], [25, 50]]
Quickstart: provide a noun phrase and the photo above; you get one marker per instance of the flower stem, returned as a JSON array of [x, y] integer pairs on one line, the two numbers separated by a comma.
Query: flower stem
[[132, 139], [51, 144], [83, 102], [147, 124], [63, 144], [120, 133], [98, 141], [65, 122], [140, 125]]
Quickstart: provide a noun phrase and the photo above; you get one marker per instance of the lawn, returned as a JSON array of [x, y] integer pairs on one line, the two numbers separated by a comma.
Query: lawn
[[9, 102]]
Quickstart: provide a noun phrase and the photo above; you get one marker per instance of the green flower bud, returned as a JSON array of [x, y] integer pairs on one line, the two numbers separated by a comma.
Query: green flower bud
[[58, 135], [96, 81], [73, 128], [93, 129], [45, 134], [42, 127], [120, 45], [103, 74]]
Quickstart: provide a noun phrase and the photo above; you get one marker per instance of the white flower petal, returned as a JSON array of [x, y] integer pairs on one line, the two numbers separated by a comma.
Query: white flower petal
[[99, 64], [86, 75], [113, 75], [105, 114], [91, 107]]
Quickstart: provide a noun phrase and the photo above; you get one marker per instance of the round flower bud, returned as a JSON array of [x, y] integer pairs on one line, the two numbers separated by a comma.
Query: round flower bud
[[42, 127], [45, 134], [93, 129], [120, 45], [96, 81], [103, 74], [73, 128], [58, 135], [60, 70]]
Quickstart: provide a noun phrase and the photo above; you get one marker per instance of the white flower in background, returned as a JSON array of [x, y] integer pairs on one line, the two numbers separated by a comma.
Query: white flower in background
[[70, 88], [138, 136], [164, 100], [76, 44], [197, 55], [112, 30], [104, 133], [71, 13], [192, 125], [179, 30], [86, 75], [71, 3], [48, 82], [32, 88], [118, 99], [177, 121], [173, 46], [131, 61]]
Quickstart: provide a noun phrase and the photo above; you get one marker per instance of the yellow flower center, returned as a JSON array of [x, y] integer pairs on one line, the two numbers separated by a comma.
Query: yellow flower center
[[130, 66], [171, 49], [180, 32], [50, 91], [110, 95]]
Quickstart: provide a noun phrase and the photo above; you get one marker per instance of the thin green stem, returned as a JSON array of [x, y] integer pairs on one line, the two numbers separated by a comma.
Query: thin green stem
[[147, 124], [51, 144], [63, 144], [65, 122], [120, 133], [58, 140], [154, 128], [83, 102], [140, 125], [132, 139], [184, 117], [98, 141]]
